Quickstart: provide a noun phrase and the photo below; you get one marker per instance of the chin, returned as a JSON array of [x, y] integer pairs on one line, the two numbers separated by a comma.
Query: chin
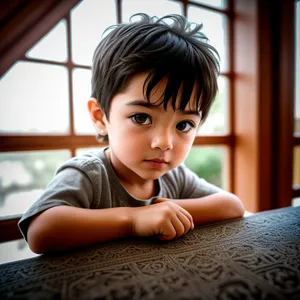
[[152, 175]]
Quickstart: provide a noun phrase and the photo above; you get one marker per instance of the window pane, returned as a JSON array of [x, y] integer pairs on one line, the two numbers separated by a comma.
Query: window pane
[[217, 121], [297, 74], [215, 3], [15, 250], [82, 92], [34, 99], [209, 163], [215, 28], [88, 21], [53, 46], [151, 7], [23, 177]]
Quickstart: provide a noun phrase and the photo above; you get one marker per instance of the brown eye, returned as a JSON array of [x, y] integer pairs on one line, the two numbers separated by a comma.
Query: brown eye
[[141, 119], [185, 126]]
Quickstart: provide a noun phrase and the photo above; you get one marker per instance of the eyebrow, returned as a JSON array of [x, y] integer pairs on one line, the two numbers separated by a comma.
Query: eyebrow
[[150, 105]]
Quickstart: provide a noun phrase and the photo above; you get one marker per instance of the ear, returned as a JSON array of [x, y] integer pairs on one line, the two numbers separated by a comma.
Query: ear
[[98, 116]]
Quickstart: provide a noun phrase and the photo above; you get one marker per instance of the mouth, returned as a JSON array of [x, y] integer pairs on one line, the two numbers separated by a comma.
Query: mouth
[[158, 160], [156, 163]]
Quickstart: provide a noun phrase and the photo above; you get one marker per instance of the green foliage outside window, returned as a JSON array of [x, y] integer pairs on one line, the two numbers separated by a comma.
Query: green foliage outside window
[[206, 162]]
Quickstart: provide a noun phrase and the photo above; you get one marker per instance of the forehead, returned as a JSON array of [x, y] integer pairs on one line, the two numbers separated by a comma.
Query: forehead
[[135, 88]]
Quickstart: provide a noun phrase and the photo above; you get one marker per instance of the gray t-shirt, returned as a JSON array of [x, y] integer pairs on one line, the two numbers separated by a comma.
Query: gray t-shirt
[[89, 181]]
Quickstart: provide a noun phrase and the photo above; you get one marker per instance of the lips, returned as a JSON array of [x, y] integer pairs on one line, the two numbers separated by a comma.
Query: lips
[[158, 160], [156, 163]]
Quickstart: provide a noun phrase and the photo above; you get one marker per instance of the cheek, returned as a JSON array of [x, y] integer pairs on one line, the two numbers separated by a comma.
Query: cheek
[[184, 147], [127, 138]]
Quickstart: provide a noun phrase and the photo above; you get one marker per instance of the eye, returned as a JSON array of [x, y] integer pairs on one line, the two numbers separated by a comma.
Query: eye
[[185, 126], [141, 119]]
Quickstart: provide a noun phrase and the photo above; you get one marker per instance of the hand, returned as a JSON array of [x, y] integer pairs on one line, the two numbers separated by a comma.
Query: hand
[[165, 219]]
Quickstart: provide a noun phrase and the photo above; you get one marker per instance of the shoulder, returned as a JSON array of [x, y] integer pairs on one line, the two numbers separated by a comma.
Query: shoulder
[[177, 174], [90, 167], [87, 163], [188, 184], [173, 181]]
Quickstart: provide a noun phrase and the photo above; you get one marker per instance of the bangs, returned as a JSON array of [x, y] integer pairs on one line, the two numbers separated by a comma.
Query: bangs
[[179, 89], [190, 76]]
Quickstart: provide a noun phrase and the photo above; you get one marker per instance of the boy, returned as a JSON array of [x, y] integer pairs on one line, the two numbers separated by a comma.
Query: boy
[[152, 86]]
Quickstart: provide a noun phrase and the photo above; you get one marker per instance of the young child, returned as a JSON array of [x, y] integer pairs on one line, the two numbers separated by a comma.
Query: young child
[[152, 86]]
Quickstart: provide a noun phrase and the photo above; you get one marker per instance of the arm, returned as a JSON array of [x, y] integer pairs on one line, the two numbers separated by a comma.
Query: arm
[[64, 227], [213, 208]]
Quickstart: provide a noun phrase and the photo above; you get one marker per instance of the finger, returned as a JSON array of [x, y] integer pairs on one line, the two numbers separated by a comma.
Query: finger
[[159, 200], [189, 216], [185, 222], [168, 232], [178, 226]]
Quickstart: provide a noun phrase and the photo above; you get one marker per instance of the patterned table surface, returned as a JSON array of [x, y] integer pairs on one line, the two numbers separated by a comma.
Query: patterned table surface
[[257, 257]]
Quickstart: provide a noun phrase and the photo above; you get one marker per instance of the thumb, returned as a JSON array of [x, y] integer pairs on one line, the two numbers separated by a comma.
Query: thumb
[[159, 200]]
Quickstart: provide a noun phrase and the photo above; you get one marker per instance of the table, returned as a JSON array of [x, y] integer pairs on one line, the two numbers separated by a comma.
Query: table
[[257, 257]]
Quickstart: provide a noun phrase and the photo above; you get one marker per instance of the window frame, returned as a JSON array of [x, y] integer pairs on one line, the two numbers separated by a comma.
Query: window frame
[[254, 168]]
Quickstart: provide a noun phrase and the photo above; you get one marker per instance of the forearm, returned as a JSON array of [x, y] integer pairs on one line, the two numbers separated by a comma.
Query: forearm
[[213, 208], [63, 227]]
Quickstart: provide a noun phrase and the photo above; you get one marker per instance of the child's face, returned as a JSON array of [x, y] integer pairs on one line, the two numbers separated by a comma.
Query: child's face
[[139, 134]]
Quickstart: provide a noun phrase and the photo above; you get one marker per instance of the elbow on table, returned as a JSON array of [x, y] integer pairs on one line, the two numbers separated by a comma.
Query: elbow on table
[[35, 243], [37, 236], [237, 208]]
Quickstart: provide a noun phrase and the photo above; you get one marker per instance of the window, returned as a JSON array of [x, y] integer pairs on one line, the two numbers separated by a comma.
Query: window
[[237, 138], [46, 121], [52, 84]]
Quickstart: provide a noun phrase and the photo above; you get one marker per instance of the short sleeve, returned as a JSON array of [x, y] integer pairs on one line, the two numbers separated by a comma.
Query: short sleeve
[[70, 186], [194, 187]]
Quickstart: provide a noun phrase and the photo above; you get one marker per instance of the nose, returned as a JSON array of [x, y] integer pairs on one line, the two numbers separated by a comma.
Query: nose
[[162, 140]]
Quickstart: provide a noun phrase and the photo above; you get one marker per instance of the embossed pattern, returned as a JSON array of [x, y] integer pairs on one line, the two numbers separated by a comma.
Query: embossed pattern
[[257, 257]]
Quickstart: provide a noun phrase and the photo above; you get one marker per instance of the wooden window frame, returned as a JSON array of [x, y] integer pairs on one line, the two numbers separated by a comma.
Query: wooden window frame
[[264, 94], [254, 167]]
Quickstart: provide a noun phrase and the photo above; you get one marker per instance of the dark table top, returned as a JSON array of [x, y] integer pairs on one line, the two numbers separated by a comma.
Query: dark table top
[[257, 257]]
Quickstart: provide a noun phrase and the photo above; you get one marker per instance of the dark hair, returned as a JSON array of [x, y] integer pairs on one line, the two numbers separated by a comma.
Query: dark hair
[[176, 50]]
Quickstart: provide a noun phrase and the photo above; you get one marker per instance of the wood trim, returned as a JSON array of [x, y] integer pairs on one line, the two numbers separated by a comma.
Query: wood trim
[[27, 143], [20, 34], [119, 10], [246, 95], [284, 35], [297, 139], [8, 10], [70, 75], [264, 85], [265, 178], [231, 99], [54, 63], [25, 18], [9, 229], [227, 140], [52, 142]]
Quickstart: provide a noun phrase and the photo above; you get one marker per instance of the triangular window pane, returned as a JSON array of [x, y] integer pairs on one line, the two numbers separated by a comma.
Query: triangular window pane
[[53, 46]]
